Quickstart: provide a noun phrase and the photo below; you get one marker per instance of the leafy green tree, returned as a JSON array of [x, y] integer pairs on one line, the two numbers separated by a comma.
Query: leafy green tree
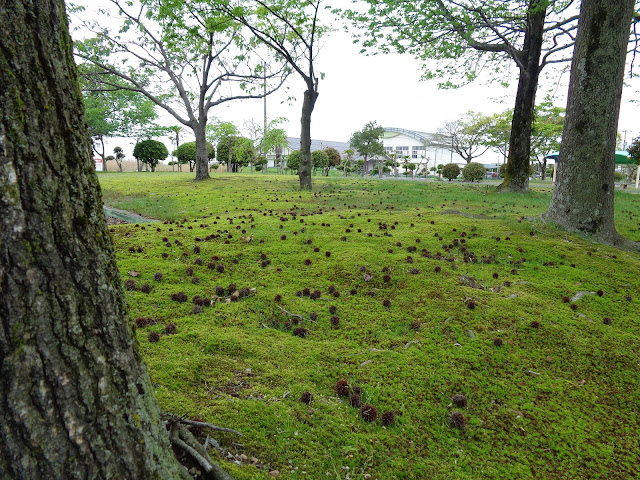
[[466, 35], [450, 171], [117, 113], [467, 135], [546, 133], [219, 131], [185, 56], [473, 172], [367, 142], [291, 29], [150, 152], [320, 161], [186, 154], [583, 196], [293, 160], [334, 156], [243, 153]]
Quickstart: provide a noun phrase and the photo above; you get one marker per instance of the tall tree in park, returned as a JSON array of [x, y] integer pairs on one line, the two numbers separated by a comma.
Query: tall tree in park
[[186, 154], [115, 113], [77, 401], [368, 144], [219, 131], [289, 28], [546, 133], [583, 198], [466, 35], [466, 136], [205, 59]]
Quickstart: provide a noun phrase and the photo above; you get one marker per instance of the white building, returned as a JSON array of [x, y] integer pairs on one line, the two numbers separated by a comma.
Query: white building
[[424, 149]]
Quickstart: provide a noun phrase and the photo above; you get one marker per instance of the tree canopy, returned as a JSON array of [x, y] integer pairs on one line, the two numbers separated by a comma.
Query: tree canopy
[[179, 55], [291, 29], [367, 142], [150, 152], [186, 153]]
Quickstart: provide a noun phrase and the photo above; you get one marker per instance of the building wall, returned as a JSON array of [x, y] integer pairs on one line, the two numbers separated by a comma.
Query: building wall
[[419, 152]]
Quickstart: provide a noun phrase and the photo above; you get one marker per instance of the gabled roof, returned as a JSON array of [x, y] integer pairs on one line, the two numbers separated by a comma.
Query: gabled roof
[[433, 139], [294, 144]]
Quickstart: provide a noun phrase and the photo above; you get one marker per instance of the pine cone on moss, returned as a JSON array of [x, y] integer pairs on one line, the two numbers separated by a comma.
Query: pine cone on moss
[[369, 413]]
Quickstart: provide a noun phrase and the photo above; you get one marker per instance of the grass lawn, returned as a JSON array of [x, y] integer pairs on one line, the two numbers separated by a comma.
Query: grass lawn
[[435, 290]]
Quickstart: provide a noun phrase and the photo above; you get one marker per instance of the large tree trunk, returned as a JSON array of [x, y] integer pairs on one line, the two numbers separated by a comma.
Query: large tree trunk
[[202, 159], [76, 401], [516, 177], [304, 170], [583, 196]]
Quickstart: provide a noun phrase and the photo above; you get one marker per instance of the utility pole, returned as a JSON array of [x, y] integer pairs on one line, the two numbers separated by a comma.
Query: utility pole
[[624, 142]]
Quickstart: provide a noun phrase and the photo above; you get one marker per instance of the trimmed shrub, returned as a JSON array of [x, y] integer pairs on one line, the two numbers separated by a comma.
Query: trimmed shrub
[[473, 172], [450, 171]]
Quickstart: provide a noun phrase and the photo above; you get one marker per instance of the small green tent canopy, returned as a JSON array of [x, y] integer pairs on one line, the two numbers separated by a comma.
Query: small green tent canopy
[[622, 157]]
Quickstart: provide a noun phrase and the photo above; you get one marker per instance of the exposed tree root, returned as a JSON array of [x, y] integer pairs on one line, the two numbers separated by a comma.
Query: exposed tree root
[[183, 440]]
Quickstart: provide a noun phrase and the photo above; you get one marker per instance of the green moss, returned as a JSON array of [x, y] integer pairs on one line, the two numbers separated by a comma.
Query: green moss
[[556, 401]]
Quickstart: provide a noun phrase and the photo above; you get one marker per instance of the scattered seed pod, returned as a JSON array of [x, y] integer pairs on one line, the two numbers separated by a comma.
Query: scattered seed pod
[[574, 306], [170, 329], [459, 400], [535, 324], [157, 276], [388, 418], [153, 337], [457, 420], [369, 413], [300, 332], [342, 388], [335, 320], [355, 401], [565, 299], [306, 397], [497, 342], [141, 322], [471, 304], [130, 284], [146, 288], [313, 316], [332, 309], [600, 293], [607, 320], [277, 298], [386, 303]]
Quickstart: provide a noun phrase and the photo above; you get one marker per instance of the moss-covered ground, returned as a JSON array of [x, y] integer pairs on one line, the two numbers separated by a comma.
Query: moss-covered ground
[[537, 328]]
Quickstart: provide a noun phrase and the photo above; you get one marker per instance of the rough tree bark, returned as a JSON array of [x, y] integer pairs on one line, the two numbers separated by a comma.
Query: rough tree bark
[[75, 400], [516, 177], [583, 197], [304, 170]]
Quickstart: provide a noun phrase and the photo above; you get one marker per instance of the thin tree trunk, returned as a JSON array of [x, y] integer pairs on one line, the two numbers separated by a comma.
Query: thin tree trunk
[[304, 170], [516, 177], [584, 193], [75, 399]]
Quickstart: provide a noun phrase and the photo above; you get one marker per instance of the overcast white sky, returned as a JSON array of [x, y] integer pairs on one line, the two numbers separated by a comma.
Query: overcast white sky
[[387, 88]]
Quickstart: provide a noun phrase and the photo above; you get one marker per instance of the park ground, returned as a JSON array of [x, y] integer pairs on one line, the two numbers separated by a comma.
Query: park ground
[[435, 290]]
